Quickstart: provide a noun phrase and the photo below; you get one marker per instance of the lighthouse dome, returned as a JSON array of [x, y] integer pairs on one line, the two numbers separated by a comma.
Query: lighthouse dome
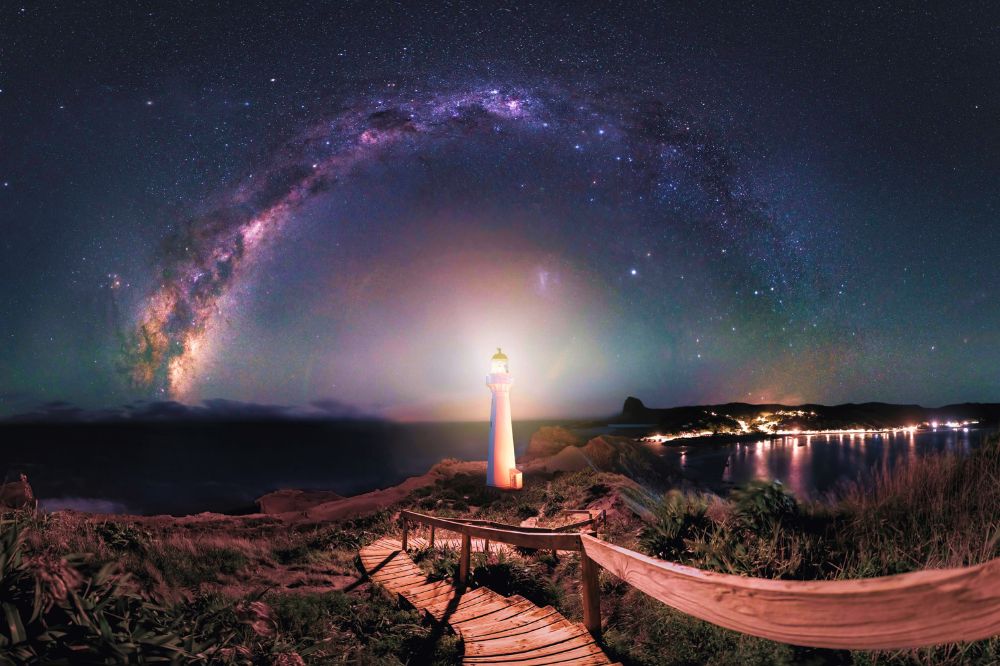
[[498, 364]]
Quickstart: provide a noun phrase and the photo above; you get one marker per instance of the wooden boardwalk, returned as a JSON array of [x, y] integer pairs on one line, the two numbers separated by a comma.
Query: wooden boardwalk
[[495, 629]]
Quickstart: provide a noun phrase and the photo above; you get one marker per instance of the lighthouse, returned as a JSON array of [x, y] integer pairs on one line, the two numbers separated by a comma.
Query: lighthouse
[[500, 470]]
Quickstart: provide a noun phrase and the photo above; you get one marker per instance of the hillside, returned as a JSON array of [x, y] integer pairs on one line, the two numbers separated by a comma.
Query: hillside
[[740, 417]]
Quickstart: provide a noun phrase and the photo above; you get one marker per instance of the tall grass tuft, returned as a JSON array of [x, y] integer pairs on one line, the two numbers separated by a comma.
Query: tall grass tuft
[[938, 511]]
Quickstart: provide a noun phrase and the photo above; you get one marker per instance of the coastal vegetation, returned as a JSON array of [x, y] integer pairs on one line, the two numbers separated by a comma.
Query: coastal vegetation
[[78, 587]]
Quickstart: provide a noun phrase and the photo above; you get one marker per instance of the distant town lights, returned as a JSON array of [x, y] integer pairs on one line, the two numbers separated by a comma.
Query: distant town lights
[[760, 425]]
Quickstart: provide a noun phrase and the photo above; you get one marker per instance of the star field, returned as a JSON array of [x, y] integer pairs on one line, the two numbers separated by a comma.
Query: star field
[[287, 204]]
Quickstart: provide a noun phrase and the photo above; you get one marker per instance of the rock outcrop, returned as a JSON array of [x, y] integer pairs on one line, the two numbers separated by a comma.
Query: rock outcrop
[[604, 453], [550, 440], [283, 501], [370, 502], [17, 495]]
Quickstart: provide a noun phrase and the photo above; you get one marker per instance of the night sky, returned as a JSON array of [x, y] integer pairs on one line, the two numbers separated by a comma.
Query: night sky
[[354, 203]]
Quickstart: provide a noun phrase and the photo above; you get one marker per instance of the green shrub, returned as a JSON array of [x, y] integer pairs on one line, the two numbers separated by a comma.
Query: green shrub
[[54, 613], [510, 576], [525, 511], [672, 523], [189, 568], [439, 564], [122, 537], [305, 546], [307, 614], [762, 504]]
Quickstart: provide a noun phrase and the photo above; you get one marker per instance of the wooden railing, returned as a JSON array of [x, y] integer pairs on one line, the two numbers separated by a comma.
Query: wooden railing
[[893, 612]]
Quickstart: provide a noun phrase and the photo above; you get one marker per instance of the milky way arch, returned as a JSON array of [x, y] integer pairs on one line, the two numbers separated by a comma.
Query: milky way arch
[[205, 257]]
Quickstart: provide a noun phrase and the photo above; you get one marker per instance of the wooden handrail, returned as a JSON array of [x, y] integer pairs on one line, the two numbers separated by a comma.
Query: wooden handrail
[[893, 612], [525, 537], [590, 520], [516, 528]]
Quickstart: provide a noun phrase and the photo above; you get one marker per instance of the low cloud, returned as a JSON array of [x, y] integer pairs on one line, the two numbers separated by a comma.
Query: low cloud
[[209, 410], [85, 504]]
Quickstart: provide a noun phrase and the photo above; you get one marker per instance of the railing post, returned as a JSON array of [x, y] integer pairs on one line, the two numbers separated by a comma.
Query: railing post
[[406, 529], [591, 592], [432, 537], [464, 560], [486, 546]]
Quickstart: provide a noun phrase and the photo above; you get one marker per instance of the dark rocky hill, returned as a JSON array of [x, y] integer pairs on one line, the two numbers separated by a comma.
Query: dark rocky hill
[[724, 418]]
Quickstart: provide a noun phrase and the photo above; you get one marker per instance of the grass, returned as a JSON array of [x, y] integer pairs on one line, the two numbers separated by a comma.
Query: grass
[[938, 511], [189, 565], [228, 591], [146, 593], [542, 497]]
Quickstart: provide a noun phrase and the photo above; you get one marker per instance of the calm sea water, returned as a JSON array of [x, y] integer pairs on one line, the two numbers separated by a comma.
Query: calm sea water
[[188, 468], [193, 467], [811, 466]]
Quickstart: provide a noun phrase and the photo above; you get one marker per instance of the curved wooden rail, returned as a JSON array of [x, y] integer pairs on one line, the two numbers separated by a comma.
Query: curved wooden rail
[[893, 612], [903, 611], [525, 537]]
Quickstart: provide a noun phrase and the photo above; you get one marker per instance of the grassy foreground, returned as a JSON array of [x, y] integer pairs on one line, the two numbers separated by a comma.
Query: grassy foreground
[[83, 589]]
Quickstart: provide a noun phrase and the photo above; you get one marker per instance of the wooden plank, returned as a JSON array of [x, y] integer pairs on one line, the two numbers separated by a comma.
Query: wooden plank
[[529, 621], [463, 617], [429, 597], [893, 612], [574, 655], [390, 564], [401, 577], [486, 596], [510, 611], [382, 558], [549, 622], [439, 584], [391, 569], [505, 630], [417, 589], [402, 582], [400, 572], [476, 596], [442, 606], [541, 635], [384, 544], [537, 643]]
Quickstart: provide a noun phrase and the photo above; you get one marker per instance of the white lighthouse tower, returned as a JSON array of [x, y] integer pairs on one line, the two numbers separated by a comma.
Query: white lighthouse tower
[[500, 470]]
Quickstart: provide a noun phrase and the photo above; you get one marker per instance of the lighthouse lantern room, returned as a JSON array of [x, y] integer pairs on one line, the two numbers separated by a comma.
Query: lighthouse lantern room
[[500, 469]]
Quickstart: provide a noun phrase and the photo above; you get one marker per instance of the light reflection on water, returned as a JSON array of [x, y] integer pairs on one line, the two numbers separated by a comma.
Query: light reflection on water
[[811, 465]]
